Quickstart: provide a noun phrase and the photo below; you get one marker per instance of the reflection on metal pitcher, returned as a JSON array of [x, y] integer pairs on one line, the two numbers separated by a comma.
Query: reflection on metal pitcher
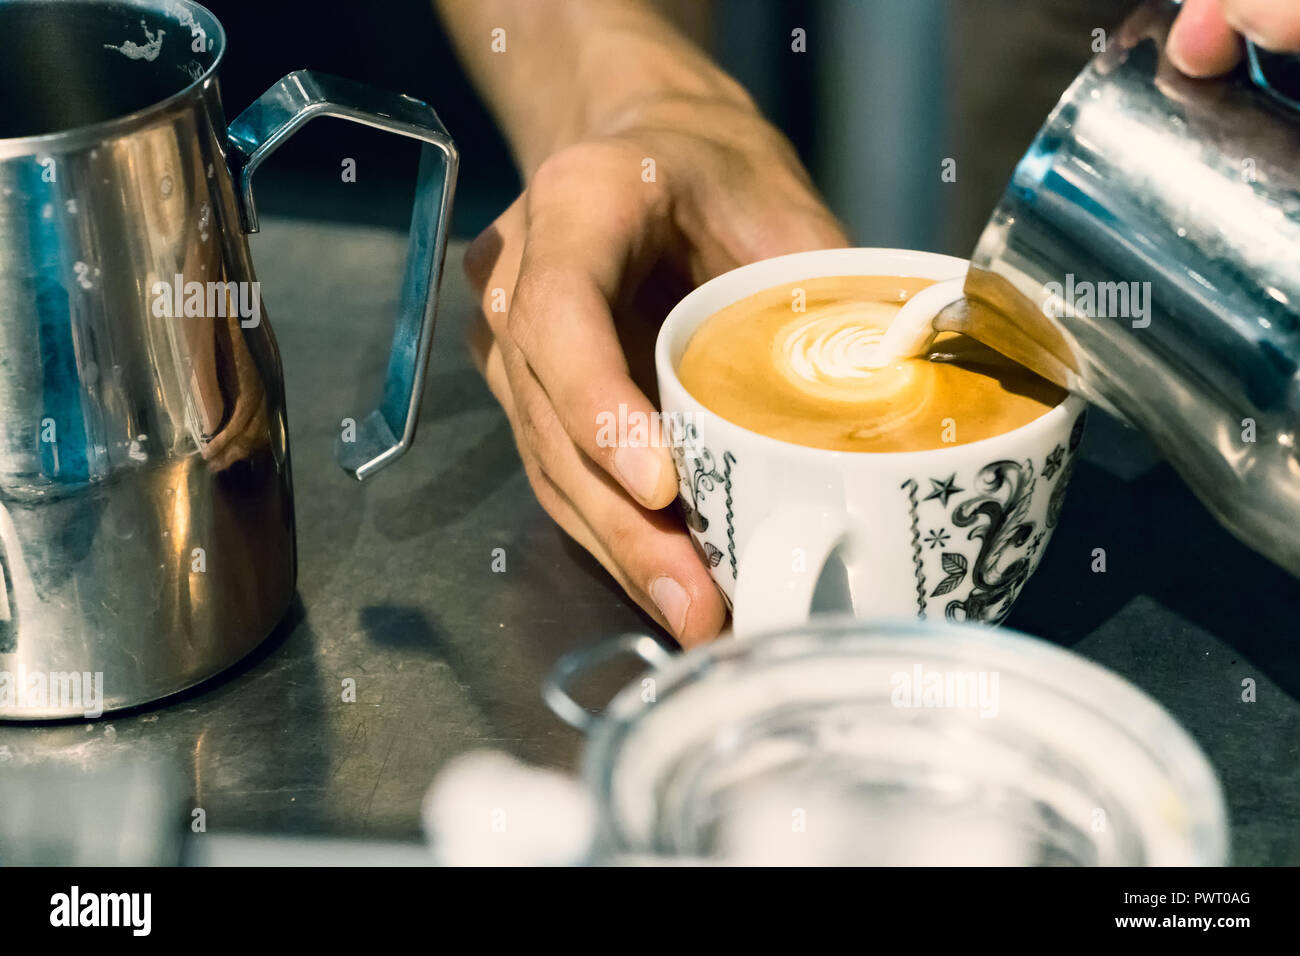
[[146, 505]]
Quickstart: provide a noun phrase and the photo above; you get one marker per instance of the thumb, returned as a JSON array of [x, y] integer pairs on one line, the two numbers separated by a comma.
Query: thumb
[[1202, 43]]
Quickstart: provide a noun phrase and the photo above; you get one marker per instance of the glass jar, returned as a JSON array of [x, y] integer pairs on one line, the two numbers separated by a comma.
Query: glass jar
[[843, 742]]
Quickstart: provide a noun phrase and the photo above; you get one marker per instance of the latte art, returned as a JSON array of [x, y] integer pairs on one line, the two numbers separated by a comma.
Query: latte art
[[831, 347], [802, 363], [829, 354]]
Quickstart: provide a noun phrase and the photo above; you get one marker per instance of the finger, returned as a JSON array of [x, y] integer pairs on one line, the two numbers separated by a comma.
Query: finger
[[488, 358], [765, 231], [659, 569], [779, 233], [549, 496], [492, 263], [1202, 43], [586, 236], [1271, 24], [647, 552], [781, 213], [756, 214]]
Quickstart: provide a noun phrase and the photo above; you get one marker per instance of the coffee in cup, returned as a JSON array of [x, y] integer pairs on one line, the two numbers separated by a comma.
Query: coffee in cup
[[794, 362]]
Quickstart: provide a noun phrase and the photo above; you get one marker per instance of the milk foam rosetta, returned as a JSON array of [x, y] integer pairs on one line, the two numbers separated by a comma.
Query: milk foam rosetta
[[800, 362]]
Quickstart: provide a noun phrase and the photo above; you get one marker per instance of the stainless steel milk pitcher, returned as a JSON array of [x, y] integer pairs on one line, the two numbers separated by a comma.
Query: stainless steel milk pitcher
[[146, 504], [1147, 254]]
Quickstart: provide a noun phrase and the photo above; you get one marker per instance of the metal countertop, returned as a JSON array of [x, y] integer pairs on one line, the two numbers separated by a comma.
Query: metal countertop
[[398, 593]]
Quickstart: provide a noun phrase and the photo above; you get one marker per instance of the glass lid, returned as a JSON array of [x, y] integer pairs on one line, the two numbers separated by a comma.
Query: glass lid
[[849, 743]]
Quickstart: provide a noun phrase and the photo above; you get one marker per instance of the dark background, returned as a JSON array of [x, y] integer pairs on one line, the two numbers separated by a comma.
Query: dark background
[[887, 90], [401, 45], [396, 44]]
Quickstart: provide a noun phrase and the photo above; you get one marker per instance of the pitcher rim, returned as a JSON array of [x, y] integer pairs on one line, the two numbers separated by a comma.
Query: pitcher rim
[[76, 136]]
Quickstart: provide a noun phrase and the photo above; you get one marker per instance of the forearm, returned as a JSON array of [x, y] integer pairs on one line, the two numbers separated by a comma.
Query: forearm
[[569, 67]]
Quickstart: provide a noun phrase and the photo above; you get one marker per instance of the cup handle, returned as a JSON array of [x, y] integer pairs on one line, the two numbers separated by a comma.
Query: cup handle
[[387, 432], [781, 566]]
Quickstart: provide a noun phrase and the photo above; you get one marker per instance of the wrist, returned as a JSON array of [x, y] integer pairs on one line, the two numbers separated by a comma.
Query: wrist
[[619, 71]]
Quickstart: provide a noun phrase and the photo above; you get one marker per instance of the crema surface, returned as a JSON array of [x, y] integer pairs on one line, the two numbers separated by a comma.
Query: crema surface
[[794, 362]]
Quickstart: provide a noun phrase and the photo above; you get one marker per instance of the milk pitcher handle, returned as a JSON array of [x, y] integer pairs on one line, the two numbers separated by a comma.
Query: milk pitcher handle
[[387, 432], [1277, 74]]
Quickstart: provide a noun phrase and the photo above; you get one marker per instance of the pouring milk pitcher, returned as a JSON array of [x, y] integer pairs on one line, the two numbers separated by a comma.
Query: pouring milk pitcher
[[1146, 253], [146, 505]]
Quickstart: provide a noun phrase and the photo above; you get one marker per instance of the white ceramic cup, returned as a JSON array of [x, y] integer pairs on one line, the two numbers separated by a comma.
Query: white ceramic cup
[[951, 532]]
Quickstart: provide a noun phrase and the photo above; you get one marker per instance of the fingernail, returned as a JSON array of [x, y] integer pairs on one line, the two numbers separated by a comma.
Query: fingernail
[[673, 602], [1175, 43], [639, 470]]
